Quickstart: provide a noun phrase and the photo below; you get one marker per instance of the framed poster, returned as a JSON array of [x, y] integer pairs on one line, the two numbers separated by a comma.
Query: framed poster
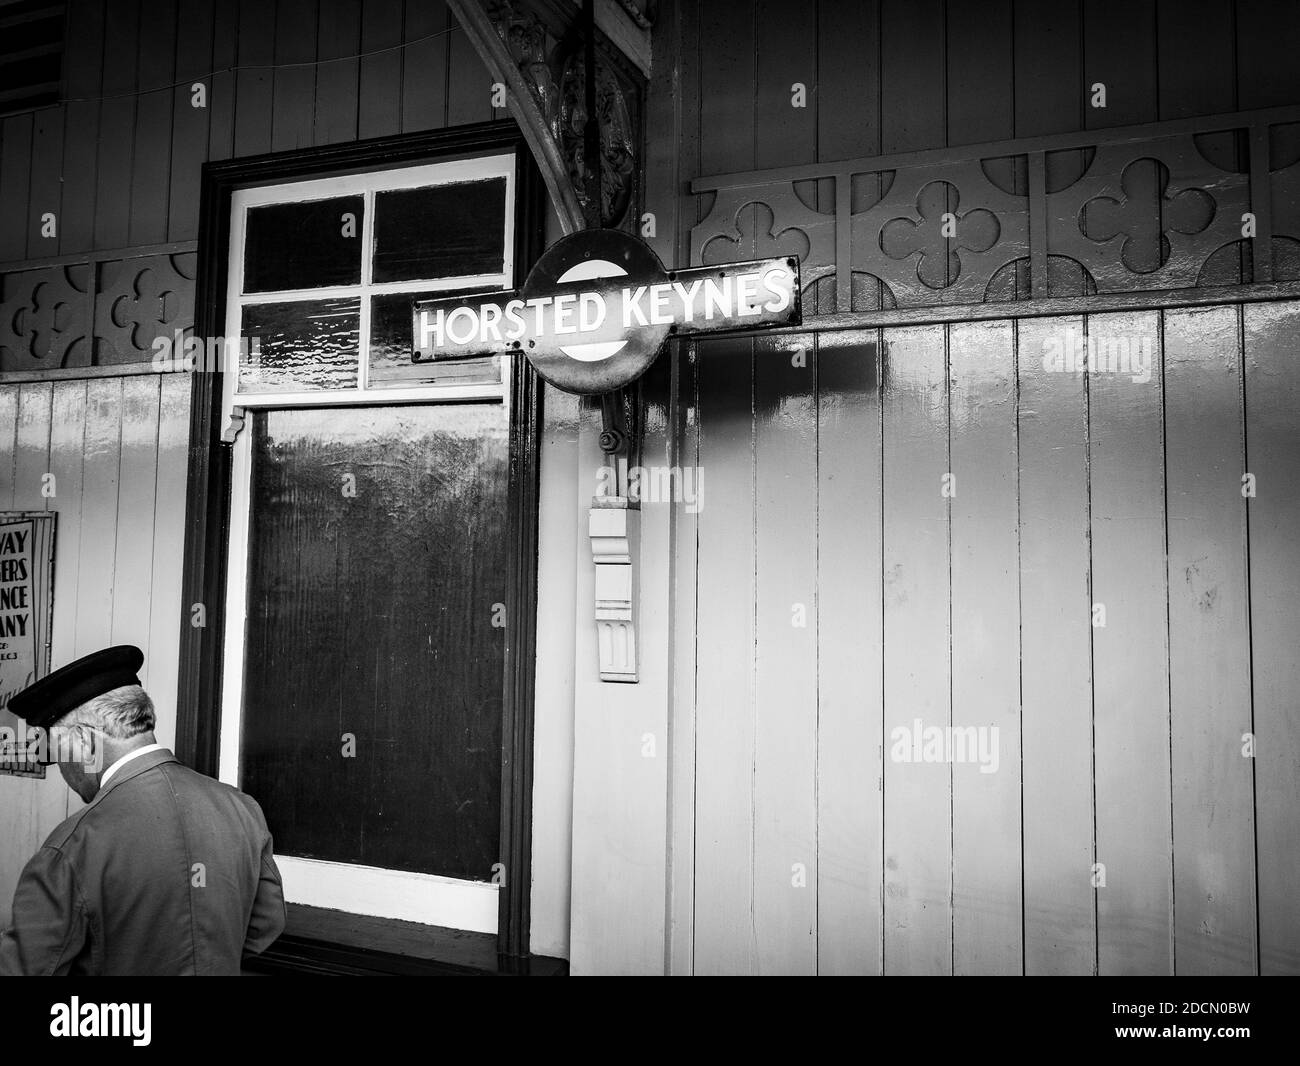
[[26, 614]]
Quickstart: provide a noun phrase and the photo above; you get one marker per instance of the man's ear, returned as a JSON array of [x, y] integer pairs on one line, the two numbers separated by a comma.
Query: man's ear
[[87, 748], [95, 745]]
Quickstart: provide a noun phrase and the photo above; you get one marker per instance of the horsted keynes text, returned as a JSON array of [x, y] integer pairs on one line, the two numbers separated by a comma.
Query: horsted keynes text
[[723, 301]]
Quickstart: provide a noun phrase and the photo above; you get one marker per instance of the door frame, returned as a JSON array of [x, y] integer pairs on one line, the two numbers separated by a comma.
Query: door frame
[[209, 480]]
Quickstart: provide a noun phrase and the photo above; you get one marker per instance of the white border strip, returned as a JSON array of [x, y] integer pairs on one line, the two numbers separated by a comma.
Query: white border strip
[[409, 897]]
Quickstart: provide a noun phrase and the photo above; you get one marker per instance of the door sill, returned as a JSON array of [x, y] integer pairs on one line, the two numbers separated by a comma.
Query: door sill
[[336, 943]]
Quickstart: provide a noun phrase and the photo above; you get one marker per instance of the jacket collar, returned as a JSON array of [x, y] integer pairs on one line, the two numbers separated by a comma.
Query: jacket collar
[[133, 769]]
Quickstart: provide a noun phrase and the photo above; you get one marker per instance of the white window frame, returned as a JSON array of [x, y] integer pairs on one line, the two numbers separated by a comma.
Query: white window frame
[[426, 898], [452, 172]]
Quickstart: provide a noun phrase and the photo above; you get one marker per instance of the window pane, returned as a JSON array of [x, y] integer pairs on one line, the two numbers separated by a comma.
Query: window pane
[[391, 324], [441, 231], [304, 345], [303, 245], [371, 614]]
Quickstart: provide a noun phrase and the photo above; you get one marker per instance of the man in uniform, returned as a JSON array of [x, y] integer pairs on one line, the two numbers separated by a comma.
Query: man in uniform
[[164, 872]]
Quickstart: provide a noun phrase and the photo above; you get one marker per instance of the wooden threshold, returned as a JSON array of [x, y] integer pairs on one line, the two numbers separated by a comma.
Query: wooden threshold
[[336, 943]]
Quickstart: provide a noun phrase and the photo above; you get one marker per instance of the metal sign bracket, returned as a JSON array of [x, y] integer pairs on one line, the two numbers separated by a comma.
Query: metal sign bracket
[[614, 526]]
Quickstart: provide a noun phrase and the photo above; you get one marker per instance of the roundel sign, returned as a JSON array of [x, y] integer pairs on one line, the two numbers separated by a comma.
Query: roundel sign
[[598, 306]]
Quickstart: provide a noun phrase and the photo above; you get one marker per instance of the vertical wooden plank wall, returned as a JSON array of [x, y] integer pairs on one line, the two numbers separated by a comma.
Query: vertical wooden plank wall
[[850, 704], [424, 65], [379, 93], [338, 73], [81, 126], [119, 162], [785, 674], [985, 594], [725, 934], [1195, 64], [1122, 62], [294, 86], [191, 126], [1126, 463], [1108, 597], [47, 190], [116, 450], [116, 130], [1056, 692], [25, 419], [725, 937], [254, 80], [917, 661], [222, 87], [1060, 506], [987, 873], [785, 549], [38, 442], [850, 708], [66, 466], [1271, 340], [15, 185], [162, 671], [137, 460], [151, 152], [1209, 651]]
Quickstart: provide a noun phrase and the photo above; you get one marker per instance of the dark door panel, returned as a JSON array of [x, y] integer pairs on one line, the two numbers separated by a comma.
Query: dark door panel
[[377, 556]]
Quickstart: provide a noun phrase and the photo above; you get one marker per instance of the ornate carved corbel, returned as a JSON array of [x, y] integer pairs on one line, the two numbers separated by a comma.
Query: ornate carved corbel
[[494, 43], [533, 49]]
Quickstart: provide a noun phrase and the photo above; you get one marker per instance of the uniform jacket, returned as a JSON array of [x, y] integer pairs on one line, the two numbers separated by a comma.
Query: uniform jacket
[[164, 872]]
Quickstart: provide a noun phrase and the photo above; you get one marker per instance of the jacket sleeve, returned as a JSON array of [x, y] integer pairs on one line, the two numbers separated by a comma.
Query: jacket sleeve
[[268, 917], [49, 919]]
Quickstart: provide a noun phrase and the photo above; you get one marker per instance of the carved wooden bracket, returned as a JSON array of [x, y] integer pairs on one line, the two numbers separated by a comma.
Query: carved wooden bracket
[[234, 425], [614, 529], [531, 48]]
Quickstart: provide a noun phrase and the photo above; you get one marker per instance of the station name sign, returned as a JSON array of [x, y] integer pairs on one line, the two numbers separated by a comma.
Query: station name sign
[[598, 306]]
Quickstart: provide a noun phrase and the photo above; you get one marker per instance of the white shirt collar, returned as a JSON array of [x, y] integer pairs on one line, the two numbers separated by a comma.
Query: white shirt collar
[[133, 754]]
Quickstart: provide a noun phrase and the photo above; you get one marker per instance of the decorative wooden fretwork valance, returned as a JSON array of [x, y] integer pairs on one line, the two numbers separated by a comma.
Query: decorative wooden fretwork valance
[[104, 309], [1209, 201]]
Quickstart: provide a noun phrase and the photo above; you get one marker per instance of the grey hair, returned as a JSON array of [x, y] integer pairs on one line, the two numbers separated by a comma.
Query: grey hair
[[121, 713]]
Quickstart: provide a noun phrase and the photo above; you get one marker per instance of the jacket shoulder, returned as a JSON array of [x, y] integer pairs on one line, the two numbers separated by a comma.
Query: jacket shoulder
[[177, 776], [65, 829], [183, 778]]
